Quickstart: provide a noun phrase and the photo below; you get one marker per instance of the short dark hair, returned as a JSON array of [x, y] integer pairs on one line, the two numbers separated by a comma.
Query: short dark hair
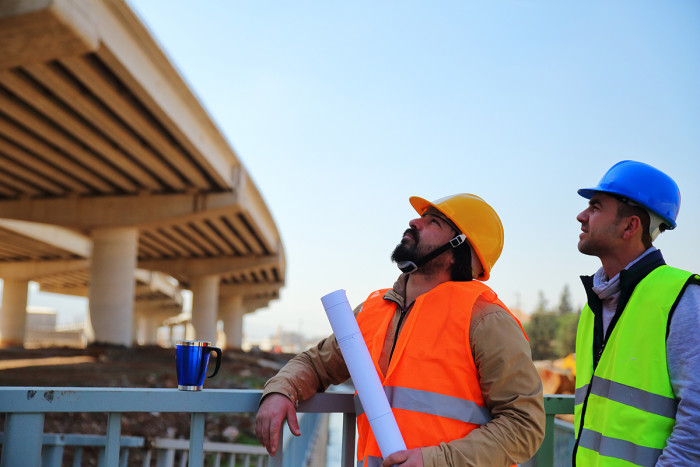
[[625, 209]]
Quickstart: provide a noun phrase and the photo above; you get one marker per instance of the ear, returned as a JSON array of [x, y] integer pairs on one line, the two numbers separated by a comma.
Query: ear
[[632, 227]]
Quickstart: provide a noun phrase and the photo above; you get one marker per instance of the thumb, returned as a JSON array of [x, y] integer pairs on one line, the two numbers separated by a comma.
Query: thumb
[[293, 422]]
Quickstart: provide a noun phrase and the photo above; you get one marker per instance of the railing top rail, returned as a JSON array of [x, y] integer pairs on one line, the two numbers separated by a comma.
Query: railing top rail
[[74, 399], [70, 399]]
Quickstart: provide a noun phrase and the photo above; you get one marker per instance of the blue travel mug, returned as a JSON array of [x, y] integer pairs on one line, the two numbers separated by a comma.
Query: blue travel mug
[[192, 358]]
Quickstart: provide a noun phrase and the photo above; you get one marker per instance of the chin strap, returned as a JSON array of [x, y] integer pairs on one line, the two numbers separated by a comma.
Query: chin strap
[[412, 266]]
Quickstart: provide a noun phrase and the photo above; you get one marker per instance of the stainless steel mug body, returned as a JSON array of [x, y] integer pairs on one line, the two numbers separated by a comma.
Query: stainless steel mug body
[[192, 358]]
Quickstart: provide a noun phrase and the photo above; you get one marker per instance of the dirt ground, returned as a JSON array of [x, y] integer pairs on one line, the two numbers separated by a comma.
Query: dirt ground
[[140, 367]]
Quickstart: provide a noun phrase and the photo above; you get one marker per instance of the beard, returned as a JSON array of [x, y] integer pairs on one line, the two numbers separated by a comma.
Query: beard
[[407, 251]]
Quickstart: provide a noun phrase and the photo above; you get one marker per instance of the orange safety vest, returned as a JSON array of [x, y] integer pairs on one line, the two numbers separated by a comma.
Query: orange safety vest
[[432, 383]]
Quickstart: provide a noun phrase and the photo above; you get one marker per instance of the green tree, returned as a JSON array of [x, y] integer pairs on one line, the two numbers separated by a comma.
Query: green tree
[[565, 338], [541, 331], [541, 303], [565, 302], [566, 334], [552, 332]]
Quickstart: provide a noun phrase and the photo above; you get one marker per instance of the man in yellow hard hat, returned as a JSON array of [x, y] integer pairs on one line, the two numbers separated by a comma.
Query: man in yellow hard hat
[[454, 362]]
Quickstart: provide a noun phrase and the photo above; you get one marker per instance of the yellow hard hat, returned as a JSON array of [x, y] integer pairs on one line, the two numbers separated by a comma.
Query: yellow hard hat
[[475, 219]]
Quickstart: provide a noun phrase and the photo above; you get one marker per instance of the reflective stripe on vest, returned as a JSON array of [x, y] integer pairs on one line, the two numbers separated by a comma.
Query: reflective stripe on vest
[[627, 408], [432, 403], [371, 462], [629, 395], [619, 449]]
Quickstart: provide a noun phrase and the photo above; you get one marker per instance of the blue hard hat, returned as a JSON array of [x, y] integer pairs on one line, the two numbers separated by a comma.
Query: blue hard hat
[[644, 185]]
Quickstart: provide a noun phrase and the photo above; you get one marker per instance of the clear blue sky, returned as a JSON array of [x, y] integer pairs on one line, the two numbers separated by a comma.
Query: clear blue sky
[[342, 110]]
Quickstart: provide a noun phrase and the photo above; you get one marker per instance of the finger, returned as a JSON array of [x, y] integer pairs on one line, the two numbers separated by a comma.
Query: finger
[[260, 432], [293, 422], [395, 458], [274, 435], [267, 431]]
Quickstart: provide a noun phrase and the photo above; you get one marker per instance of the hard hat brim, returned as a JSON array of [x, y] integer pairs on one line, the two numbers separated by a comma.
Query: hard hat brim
[[587, 192], [420, 204]]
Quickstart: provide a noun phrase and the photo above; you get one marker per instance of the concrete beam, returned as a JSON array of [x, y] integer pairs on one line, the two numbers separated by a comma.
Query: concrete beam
[[155, 281], [60, 237], [130, 51], [85, 213], [30, 270], [210, 266], [258, 214], [72, 291], [229, 290], [42, 30], [253, 304], [166, 306]]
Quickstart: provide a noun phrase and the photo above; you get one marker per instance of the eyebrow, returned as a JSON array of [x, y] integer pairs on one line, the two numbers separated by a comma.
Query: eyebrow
[[443, 221]]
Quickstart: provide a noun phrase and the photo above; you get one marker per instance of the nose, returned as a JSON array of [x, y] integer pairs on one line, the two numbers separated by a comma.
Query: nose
[[582, 216], [416, 223]]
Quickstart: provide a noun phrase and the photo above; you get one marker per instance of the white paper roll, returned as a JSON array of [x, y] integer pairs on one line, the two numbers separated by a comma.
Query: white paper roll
[[364, 375]]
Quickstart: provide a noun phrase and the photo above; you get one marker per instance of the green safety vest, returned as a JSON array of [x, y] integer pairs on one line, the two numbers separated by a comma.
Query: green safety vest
[[626, 404]]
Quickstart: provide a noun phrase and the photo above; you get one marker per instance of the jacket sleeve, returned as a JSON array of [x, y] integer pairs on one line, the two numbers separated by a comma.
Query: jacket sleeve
[[683, 356], [512, 390], [311, 371]]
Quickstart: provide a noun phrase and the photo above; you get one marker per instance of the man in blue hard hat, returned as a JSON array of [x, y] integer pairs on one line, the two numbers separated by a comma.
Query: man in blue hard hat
[[638, 339]]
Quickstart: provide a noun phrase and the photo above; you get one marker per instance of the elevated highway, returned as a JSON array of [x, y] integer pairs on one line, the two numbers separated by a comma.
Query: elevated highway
[[112, 170]]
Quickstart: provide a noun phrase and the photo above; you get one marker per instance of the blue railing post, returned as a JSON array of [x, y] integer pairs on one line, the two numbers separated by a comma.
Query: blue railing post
[[52, 456], [114, 429], [197, 440], [22, 440]]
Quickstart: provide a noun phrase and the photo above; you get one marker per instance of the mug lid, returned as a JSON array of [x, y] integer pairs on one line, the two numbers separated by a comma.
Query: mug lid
[[194, 343]]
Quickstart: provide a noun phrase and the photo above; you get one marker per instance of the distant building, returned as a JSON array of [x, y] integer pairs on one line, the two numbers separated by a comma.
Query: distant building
[[42, 330]]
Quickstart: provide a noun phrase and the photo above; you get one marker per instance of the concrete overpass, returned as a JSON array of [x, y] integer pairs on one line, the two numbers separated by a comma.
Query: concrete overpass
[[114, 170]]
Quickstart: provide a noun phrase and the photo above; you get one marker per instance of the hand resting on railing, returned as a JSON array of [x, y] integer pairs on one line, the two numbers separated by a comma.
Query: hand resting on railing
[[274, 409]]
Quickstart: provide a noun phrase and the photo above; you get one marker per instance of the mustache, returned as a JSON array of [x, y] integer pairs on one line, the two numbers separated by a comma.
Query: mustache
[[413, 233]]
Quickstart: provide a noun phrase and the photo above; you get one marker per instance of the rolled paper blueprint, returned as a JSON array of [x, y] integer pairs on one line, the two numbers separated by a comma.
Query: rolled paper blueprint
[[363, 373]]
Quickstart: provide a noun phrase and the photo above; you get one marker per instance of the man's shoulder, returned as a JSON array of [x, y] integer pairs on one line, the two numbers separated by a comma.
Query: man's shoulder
[[486, 310]]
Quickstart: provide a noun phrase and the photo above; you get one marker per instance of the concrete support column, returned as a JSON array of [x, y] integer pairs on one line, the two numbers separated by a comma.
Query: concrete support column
[[205, 305], [231, 312], [111, 307], [13, 314]]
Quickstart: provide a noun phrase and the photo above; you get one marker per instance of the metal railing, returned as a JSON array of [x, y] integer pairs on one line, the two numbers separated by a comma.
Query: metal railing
[[26, 407], [556, 449]]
